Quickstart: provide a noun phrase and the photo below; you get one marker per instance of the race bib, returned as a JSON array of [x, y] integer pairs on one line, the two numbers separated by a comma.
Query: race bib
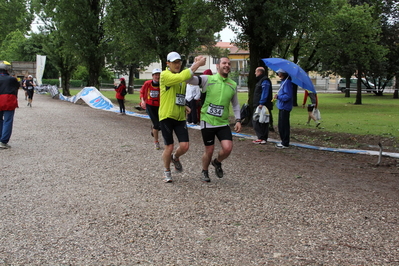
[[180, 99], [215, 110], [154, 94]]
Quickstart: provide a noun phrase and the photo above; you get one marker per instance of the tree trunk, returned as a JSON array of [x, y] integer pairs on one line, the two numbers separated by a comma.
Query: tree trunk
[[295, 94], [359, 85], [348, 86], [65, 82], [131, 79], [94, 74], [396, 91]]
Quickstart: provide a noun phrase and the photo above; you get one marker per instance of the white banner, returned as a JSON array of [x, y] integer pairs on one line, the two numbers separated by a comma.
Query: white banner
[[95, 99], [40, 63]]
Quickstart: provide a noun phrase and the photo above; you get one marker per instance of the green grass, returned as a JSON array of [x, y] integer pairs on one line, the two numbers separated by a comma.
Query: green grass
[[377, 115]]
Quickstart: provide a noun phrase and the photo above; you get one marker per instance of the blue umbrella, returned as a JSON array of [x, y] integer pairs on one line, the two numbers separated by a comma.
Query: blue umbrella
[[297, 74]]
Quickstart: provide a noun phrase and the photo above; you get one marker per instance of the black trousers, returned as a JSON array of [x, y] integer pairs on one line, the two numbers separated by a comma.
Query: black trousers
[[284, 126], [261, 129], [121, 105], [192, 116]]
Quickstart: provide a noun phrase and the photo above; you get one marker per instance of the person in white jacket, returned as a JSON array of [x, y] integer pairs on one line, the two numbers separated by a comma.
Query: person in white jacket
[[193, 94]]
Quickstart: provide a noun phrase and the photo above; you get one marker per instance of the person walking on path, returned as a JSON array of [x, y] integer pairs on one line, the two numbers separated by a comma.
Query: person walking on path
[[284, 104], [24, 88], [120, 95], [220, 91], [262, 97], [8, 103], [193, 94], [30, 89], [314, 105], [172, 110], [149, 96]]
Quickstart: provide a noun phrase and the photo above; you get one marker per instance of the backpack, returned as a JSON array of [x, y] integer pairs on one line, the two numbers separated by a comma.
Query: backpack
[[245, 114], [123, 92]]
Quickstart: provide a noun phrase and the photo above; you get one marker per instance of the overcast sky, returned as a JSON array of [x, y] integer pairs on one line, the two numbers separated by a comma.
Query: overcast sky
[[227, 35]]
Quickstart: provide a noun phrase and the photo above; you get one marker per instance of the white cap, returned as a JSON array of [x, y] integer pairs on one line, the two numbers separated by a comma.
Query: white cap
[[30, 76], [280, 71], [156, 70], [173, 56]]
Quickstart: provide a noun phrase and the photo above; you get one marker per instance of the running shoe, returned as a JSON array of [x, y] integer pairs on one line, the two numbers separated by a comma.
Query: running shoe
[[157, 146], [317, 124], [218, 168], [281, 146], [205, 176], [167, 177], [258, 141], [4, 145], [176, 162]]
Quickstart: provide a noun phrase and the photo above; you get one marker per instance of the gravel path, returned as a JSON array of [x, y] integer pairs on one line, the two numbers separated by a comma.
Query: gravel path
[[84, 187]]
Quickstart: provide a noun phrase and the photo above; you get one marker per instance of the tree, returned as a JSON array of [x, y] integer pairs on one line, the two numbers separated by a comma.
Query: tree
[[261, 25], [84, 35], [152, 29], [302, 43], [14, 17], [61, 58], [349, 43], [12, 47]]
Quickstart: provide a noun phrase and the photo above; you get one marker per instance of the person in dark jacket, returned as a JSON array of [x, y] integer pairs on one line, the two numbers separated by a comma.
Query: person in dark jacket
[[120, 96], [8, 102], [262, 97], [284, 105]]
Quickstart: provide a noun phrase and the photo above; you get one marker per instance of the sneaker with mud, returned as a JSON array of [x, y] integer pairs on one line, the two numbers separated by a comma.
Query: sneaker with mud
[[167, 177], [205, 176], [218, 168], [176, 162]]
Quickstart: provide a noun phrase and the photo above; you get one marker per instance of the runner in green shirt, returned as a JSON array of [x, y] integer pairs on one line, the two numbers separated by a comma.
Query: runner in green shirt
[[220, 91]]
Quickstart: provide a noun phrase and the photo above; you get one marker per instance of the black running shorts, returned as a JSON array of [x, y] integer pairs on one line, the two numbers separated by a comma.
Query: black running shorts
[[169, 125], [222, 133]]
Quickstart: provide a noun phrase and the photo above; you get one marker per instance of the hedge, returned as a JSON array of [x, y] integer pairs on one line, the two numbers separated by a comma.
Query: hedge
[[73, 83], [80, 83]]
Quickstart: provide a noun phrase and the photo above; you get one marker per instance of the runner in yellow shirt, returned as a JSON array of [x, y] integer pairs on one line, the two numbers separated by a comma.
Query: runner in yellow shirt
[[172, 109]]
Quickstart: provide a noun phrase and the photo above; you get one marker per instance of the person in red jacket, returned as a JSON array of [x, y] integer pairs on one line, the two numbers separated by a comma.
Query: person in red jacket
[[8, 103], [149, 96], [120, 95]]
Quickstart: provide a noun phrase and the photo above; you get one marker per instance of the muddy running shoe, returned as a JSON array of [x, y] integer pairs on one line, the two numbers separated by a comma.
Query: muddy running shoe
[[167, 177], [205, 176], [176, 162], [157, 146], [218, 168]]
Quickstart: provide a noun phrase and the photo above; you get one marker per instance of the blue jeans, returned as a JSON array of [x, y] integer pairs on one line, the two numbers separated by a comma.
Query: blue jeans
[[6, 121]]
